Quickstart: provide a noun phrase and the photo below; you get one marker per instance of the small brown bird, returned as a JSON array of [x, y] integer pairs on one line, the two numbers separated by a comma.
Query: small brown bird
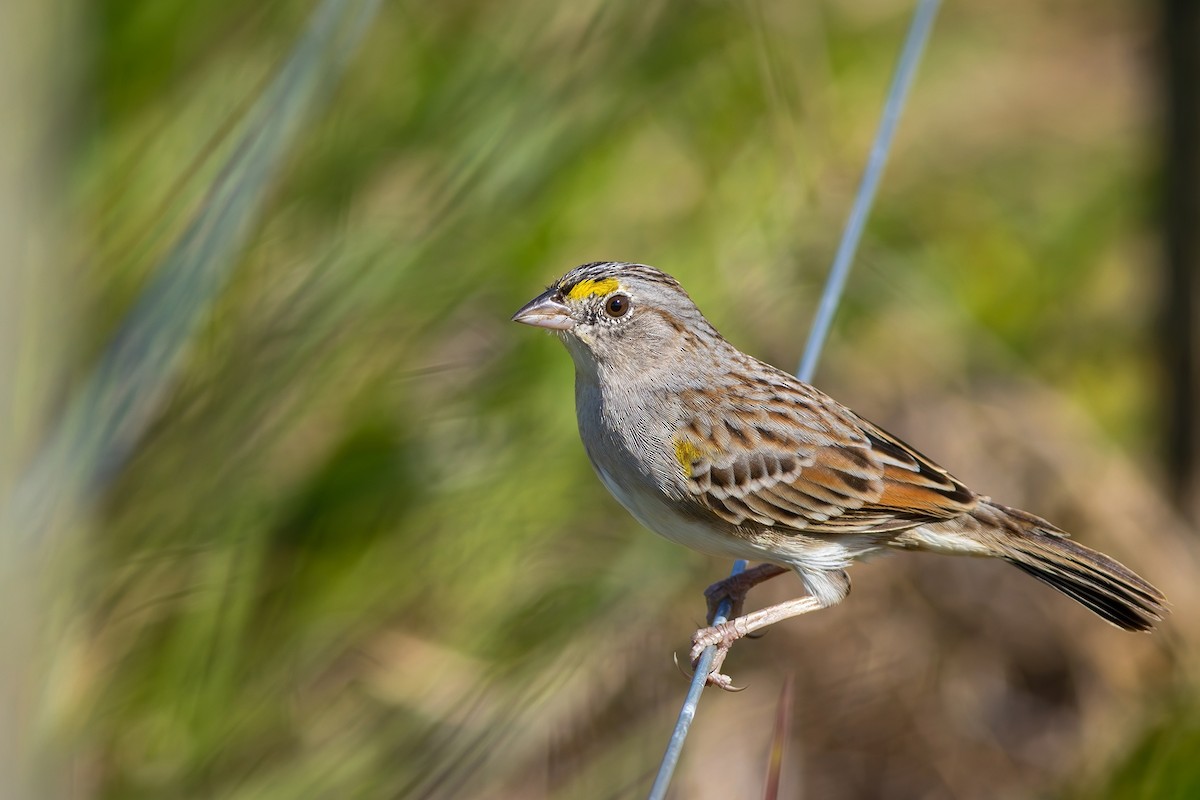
[[718, 451]]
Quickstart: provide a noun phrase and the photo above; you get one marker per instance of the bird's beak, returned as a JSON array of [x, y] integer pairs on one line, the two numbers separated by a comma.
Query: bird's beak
[[544, 311]]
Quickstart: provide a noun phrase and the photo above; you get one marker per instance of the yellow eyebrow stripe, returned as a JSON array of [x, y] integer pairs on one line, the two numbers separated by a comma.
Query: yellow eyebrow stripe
[[589, 287], [686, 453]]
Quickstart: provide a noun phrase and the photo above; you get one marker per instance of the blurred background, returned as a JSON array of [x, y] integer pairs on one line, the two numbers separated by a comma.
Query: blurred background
[[295, 511]]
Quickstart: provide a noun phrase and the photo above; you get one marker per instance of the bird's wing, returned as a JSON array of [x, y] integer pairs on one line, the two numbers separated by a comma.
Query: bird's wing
[[781, 453]]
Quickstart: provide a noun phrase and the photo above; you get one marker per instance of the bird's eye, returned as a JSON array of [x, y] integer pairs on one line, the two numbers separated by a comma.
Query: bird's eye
[[617, 306]]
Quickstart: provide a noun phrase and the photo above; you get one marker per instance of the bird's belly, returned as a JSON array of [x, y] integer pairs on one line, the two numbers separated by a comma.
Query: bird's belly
[[657, 512]]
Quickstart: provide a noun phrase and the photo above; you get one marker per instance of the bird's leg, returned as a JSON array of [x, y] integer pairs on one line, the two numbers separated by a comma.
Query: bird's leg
[[725, 634], [736, 587]]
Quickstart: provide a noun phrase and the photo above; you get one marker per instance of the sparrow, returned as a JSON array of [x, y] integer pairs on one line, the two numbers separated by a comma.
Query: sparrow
[[716, 450]]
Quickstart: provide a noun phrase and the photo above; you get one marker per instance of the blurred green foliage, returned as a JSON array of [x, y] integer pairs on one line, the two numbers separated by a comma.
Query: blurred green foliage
[[360, 553], [1162, 765]]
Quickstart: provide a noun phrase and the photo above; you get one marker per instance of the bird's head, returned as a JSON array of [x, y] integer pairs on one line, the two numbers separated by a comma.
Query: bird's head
[[617, 313]]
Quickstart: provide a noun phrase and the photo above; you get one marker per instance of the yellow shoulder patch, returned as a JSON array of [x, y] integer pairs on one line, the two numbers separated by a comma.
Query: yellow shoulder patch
[[686, 454], [590, 287]]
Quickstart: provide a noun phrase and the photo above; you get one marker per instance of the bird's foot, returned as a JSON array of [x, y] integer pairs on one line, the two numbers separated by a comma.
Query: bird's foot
[[736, 587], [722, 637]]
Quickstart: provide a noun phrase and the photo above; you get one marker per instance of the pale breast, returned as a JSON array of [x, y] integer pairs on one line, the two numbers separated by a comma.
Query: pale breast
[[636, 463]]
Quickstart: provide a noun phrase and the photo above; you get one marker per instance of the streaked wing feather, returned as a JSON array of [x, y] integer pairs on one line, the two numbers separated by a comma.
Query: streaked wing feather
[[787, 456]]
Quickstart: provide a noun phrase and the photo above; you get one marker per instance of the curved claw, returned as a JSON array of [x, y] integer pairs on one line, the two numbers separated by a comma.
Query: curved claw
[[718, 678], [724, 683], [678, 666]]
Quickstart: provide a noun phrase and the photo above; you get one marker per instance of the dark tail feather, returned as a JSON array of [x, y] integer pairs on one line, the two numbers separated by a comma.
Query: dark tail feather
[[1104, 585]]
